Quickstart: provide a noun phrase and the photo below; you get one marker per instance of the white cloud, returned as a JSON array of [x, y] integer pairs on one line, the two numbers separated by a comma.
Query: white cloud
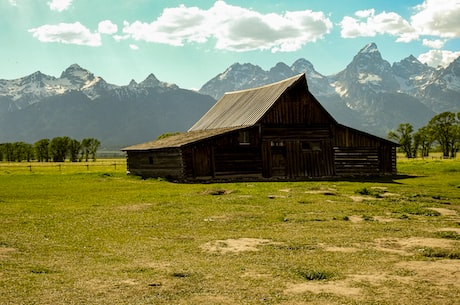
[[434, 44], [133, 47], [67, 33], [438, 18], [437, 58], [13, 2], [59, 5], [368, 24], [107, 27], [232, 27]]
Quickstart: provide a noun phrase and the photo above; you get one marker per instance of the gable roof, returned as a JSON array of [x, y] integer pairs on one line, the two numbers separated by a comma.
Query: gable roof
[[245, 107]]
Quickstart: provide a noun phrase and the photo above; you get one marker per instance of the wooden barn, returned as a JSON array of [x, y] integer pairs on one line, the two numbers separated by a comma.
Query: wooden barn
[[277, 131]]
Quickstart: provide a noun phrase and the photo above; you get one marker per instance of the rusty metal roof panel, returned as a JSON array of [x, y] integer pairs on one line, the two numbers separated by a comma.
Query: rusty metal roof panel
[[245, 107]]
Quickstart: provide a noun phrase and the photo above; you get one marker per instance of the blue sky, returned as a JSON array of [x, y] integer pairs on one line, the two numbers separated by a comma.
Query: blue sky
[[189, 42]]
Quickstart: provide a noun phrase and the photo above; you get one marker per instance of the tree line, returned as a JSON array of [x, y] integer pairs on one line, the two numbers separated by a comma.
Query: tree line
[[57, 149], [443, 129]]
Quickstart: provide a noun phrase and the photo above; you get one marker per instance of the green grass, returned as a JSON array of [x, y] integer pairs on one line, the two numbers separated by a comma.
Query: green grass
[[96, 236]]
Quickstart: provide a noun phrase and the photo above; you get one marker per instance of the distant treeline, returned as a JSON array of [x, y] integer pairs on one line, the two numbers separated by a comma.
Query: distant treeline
[[443, 129], [45, 150]]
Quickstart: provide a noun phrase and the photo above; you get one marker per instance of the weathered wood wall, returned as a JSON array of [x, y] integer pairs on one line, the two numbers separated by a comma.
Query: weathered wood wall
[[296, 106], [165, 162], [358, 153]]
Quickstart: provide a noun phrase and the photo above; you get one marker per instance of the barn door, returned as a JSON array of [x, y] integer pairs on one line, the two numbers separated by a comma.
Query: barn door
[[278, 159], [202, 161], [309, 158]]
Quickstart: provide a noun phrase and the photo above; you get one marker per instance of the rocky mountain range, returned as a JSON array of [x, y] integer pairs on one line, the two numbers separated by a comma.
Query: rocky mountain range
[[369, 94], [79, 104]]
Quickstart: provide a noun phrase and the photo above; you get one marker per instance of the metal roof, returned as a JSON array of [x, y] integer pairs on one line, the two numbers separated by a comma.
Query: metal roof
[[180, 139], [245, 107]]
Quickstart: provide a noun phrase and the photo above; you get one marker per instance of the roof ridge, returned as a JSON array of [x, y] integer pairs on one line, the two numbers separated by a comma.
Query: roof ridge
[[267, 85]]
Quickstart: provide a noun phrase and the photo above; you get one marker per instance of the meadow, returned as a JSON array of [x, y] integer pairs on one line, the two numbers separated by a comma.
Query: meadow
[[88, 234]]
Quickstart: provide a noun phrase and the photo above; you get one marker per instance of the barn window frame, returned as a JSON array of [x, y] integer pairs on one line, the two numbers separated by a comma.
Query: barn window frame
[[244, 138], [309, 146]]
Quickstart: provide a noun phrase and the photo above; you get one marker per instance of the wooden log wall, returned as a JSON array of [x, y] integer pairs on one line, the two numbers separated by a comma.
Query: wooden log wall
[[159, 163], [350, 161]]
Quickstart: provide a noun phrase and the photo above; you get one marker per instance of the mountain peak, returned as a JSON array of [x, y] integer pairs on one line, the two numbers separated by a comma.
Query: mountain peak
[[132, 83], [369, 48], [150, 81], [302, 65], [77, 74]]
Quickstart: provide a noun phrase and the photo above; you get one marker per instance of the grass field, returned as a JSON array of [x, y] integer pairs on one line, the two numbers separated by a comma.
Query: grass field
[[92, 235]]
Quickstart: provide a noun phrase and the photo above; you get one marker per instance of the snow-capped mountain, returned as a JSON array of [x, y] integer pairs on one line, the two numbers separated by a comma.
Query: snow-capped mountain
[[369, 94], [80, 104], [245, 76]]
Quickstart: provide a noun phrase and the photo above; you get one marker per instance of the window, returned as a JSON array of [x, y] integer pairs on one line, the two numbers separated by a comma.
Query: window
[[243, 138], [150, 160], [311, 146], [276, 143]]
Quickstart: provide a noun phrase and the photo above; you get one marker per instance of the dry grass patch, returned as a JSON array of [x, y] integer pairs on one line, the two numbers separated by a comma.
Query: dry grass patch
[[341, 288], [444, 274], [444, 211], [413, 245], [6, 252], [236, 245]]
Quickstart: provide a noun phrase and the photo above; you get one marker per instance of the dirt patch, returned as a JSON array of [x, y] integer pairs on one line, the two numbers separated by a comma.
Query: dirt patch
[[339, 249], [136, 207], [217, 218], [441, 273], [444, 274], [456, 230], [384, 219], [341, 288], [236, 245], [409, 245], [444, 211], [5, 252], [355, 218], [211, 299], [361, 198]]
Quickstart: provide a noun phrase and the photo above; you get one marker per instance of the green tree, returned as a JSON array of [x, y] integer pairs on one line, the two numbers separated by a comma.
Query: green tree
[[403, 135], [59, 148], [423, 139], [444, 127], [8, 151], [42, 150], [21, 151], [28, 150], [89, 148], [455, 143], [74, 147]]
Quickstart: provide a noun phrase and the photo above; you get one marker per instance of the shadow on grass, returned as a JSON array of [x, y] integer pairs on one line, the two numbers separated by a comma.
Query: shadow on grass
[[389, 179]]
